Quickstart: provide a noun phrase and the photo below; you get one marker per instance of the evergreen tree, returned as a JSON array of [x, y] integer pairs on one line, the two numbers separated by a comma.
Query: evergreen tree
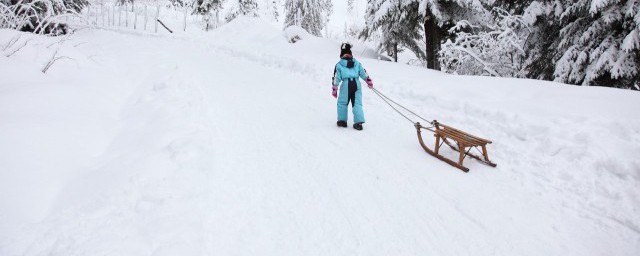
[[352, 27], [206, 8], [600, 43], [587, 42], [350, 6], [311, 15], [123, 2], [395, 25], [243, 7], [274, 10], [177, 3], [514, 7], [541, 47], [431, 18]]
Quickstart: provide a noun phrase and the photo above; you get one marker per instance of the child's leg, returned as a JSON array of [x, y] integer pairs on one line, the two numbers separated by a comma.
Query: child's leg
[[358, 114], [343, 101]]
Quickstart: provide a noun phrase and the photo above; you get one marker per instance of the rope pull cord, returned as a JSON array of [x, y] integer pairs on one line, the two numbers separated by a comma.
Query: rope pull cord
[[390, 101]]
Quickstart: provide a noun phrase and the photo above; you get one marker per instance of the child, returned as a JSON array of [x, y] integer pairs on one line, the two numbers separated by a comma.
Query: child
[[347, 72]]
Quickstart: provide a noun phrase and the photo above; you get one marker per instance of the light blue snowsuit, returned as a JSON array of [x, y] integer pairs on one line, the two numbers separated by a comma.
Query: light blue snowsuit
[[350, 90]]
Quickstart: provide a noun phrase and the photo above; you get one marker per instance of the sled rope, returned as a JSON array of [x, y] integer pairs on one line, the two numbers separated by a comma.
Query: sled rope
[[389, 101]]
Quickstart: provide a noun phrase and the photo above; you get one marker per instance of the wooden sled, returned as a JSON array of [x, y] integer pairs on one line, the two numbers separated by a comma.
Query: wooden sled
[[464, 143]]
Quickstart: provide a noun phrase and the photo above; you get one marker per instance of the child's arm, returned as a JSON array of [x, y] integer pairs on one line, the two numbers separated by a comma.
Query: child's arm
[[337, 77], [365, 76], [363, 72]]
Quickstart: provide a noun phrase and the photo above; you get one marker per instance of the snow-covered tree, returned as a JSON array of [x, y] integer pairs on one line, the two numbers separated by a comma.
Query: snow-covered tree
[[429, 18], [311, 15], [123, 2], [541, 46], [394, 24], [600, 43], [439, 15], [243, 7], [350, 6], [206, 8], [203, 7], [588, 42], [515, 7], [352, 27], [179, 3], [495, 49], [38, 16], [75, 5], [274, 11]]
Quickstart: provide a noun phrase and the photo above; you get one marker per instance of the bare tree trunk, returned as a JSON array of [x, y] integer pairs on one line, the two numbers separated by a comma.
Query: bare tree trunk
[[157, 14], [205, 19], [126, 16], [432, 40], [135, 19], [217, 18], [184, 28], [102, 14], [395, 52], [146, 16]]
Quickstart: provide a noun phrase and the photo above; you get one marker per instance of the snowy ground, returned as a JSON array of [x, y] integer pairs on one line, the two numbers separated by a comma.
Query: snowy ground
[[225, 143]]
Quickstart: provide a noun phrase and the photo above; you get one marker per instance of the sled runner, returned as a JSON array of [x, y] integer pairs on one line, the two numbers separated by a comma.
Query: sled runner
[[464, 142]]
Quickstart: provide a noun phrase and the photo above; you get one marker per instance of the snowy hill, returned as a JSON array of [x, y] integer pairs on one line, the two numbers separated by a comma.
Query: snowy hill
[[224, 143]]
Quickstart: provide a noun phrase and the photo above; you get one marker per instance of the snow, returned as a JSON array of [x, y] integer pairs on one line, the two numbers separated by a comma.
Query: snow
[[225, 143], [631, 41]]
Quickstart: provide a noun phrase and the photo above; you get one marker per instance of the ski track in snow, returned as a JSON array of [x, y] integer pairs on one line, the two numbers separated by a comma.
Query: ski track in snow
[[232, 149]]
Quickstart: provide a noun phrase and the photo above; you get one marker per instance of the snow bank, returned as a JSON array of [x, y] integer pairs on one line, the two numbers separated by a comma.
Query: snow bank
[[295, 34], [54, 124]]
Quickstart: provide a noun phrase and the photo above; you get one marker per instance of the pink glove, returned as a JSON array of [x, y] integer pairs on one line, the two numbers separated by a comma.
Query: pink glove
[[335, 91], [369, 83]]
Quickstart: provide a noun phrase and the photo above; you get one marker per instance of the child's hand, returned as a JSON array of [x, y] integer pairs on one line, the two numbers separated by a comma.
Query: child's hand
[[369, 83], [335, 91]]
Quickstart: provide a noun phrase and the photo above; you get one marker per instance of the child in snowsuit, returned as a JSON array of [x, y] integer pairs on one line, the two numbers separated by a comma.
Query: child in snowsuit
[[345, 78]]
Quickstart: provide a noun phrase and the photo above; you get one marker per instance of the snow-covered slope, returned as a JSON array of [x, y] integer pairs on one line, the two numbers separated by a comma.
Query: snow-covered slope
[[225, 143]]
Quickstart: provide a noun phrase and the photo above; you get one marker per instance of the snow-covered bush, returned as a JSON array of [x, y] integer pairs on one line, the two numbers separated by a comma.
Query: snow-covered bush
[[38, 16], [494, 50], [295, 34]]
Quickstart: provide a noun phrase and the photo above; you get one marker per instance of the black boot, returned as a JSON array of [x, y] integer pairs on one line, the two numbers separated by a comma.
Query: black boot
[[357, 126], [342, 123]]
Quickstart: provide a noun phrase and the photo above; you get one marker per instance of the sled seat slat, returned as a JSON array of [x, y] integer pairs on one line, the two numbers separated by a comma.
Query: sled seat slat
[[464, 134], [461, 138]]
